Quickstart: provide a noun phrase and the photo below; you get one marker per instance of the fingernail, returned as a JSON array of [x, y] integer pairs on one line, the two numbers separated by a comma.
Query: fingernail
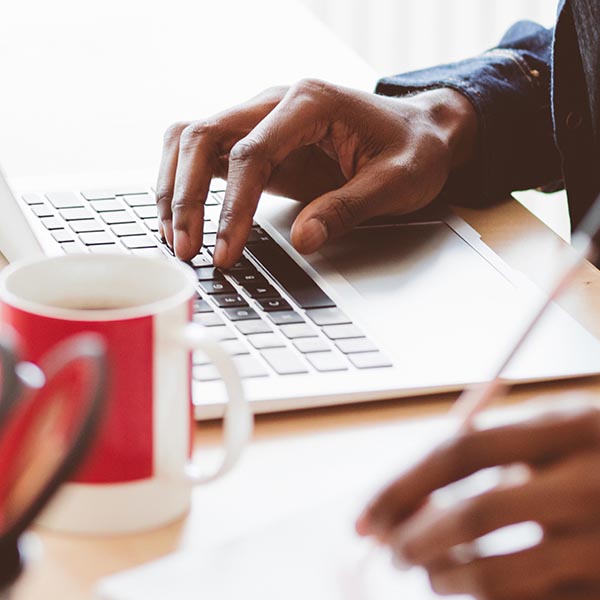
[[182, 243], [313, 235], [221, 251]]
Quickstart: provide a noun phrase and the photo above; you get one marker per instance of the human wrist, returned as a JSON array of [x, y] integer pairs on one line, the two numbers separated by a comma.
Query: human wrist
[[455, 118]]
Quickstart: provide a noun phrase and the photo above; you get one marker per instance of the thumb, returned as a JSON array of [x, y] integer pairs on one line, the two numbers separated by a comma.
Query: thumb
[[369, 194]]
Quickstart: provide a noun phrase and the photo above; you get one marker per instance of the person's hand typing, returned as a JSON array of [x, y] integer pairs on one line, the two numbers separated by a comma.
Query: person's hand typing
[[562, 494], [349, 155]]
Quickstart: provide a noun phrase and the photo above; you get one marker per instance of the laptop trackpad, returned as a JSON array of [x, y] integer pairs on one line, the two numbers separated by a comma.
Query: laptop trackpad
[[425, 285]]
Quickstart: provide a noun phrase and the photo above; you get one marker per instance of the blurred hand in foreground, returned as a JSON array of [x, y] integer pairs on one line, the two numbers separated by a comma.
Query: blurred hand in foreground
[[562, 494]]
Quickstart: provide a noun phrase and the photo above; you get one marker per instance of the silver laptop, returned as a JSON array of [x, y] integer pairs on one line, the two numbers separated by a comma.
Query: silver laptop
[[397, 308]]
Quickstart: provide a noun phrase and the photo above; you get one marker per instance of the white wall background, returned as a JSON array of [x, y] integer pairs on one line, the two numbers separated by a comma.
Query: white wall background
[[398, 35]]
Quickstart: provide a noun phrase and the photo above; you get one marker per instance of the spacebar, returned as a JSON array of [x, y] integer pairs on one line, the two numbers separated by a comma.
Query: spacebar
[[294, 280]]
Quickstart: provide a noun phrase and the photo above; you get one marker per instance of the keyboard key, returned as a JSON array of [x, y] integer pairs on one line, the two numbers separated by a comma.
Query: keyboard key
[[229, 301], [327, 361], [263, 341], [256, 235], [312, 344], [62, 235], [150, 253], [261, 291], [252, 328], [249, 366], [206, 372], [210, 227], [107, 249], [285, 317], [64, 199], [138, 241], [208, 319], [86, 225], [273, 304], [202, 306], [31, 199], [284, 361], [356, 345], [370, 360], [41, 210], [117, 216], [139, 200], [125, 229], [241, 314], [252, 277], [76, 214], [222, 333], [235, 347], [217, 287], [152, 224], [98, 194], [209, 274], [146, 212], [131, 190], [209, 239], [298, 330], [296, 282], [94, 238], [213, 200], [73, 248], [202, 259], [106, 205], [241, 265], [328, 316], [342, 332], [51, 223]]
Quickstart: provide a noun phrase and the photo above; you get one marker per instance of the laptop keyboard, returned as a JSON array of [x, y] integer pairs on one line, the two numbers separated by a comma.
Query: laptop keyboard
[[268, 313]]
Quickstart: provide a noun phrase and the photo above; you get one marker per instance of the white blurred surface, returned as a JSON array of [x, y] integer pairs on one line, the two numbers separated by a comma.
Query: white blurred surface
[[399, 35]]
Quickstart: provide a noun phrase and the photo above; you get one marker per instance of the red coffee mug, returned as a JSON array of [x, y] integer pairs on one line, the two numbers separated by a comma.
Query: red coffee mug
[[138, 473]]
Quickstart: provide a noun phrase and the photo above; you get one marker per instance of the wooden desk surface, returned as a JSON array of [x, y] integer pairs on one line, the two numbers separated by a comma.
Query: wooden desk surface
[[71, 565]]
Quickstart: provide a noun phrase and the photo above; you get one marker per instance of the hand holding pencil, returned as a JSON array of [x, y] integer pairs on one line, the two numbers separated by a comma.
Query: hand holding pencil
[[561, 493]]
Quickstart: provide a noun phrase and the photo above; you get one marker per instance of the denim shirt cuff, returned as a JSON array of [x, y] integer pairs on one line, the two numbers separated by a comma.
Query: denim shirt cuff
[[503, 85]]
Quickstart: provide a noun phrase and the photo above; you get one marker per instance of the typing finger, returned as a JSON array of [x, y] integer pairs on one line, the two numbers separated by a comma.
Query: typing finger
[[166, 179], [203, 150], [300, 119]]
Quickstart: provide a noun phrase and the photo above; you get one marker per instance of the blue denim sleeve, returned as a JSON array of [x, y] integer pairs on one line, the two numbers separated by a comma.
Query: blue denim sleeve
[[509, 87]]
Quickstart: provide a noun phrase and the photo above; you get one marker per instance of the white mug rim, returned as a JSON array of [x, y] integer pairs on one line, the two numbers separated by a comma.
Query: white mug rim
[[141, 310]]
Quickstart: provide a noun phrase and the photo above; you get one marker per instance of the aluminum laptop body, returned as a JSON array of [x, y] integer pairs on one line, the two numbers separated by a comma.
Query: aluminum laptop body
[[398, 308]]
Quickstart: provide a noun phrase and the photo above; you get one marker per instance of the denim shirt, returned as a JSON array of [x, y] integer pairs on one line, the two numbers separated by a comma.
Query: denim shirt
[[537, 97]]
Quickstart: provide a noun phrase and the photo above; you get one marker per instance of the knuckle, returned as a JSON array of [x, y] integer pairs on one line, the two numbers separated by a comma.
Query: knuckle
[[245, 150], [173, 132], [347, 211], [163, 202], [194, 132], [311, 87]]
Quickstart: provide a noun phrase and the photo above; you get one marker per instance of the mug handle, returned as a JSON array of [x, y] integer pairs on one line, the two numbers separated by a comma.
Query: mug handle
[[238, 420]]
